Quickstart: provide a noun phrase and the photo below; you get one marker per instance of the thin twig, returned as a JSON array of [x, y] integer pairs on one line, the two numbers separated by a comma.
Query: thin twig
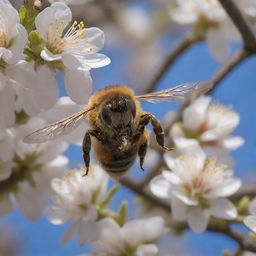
[[241, 23], [228, 66]]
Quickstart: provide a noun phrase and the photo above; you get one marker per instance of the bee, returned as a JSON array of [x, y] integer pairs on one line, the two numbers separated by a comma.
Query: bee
[[117, 125]]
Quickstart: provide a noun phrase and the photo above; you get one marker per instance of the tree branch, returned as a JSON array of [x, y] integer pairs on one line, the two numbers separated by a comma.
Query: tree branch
[[228, 66], [241, 23]]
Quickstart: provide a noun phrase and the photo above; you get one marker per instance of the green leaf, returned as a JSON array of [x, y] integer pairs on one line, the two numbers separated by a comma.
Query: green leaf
[[22, 14], [122, 213], [108, 197]]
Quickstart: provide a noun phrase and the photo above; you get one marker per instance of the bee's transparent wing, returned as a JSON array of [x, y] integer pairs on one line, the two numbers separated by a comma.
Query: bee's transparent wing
[[60, 128], [179, 93]]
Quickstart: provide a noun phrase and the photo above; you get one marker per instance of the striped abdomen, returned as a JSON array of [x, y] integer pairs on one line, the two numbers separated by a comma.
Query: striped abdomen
[[118, 164]]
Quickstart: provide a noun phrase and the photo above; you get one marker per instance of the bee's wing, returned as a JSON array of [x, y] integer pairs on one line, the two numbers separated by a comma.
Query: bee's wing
[[60, 128], [179, 93]]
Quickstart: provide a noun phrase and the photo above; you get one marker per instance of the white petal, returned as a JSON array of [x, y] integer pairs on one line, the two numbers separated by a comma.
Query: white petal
[[179, 209], [223, 208], [171, 177], [88, 232], [58, 216], [19, 43], [46, 94], [70, 232], [147, 250], [217, 44], [232, 143], [30, 202], [184, 198], [252, 206], [160, 187], [197, 219], [6, 55], [96, 60], [189, 147], [109, 228], [7, 107], [56, 13], [250, 222], [183, 17], [78, 84], [96, 38], [143, 230], [194, 115], [71, 61], [49, 56], [226, 189]]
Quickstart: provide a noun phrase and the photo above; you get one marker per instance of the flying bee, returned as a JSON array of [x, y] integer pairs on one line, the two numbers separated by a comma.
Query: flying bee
[[117, 125]]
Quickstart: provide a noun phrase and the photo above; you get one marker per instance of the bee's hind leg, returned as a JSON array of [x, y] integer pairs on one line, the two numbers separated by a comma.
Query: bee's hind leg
[[142, 153], [86, 151]]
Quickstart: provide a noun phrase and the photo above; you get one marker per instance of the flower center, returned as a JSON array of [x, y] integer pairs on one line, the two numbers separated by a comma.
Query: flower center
[[73, 37], [3, 42], [210, 176]]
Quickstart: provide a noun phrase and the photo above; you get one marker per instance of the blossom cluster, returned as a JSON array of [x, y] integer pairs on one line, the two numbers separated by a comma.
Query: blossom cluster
[[29, 97], [200, 179], [210, 21]]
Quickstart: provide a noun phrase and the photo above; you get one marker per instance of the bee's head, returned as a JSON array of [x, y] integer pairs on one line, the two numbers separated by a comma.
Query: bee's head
[[119, 112]]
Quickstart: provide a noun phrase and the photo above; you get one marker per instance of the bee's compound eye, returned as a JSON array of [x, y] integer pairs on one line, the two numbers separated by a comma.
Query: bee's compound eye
[[106, 115], [132, 107]]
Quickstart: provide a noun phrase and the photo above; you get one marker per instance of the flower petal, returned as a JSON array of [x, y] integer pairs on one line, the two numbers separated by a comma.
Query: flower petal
[[78, 84], [252, 206], [217, 43], [223, 208], [198, 219], [160, 187], [49, 56], [179, 209], [232, 143], [147, 250], [97, 60], [50, 16], [194, 115], [250, 222]]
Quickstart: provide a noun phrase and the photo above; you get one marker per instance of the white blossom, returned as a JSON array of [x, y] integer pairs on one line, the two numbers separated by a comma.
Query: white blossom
[[13, 36], [34, 94], [211, 16], [73, 201], [77, 48], [211, 124], [7, 150], [32, 168], [137, 236], [250, 221], [71, 2], [197, 188]]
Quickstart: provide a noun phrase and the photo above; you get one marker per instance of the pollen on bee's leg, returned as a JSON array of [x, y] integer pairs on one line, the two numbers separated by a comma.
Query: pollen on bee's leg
[[168, 149]]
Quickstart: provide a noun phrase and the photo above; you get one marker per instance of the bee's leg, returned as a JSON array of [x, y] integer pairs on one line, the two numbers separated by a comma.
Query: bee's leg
[[159, 132], [142, 153], [157, 128], [86, 151]]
